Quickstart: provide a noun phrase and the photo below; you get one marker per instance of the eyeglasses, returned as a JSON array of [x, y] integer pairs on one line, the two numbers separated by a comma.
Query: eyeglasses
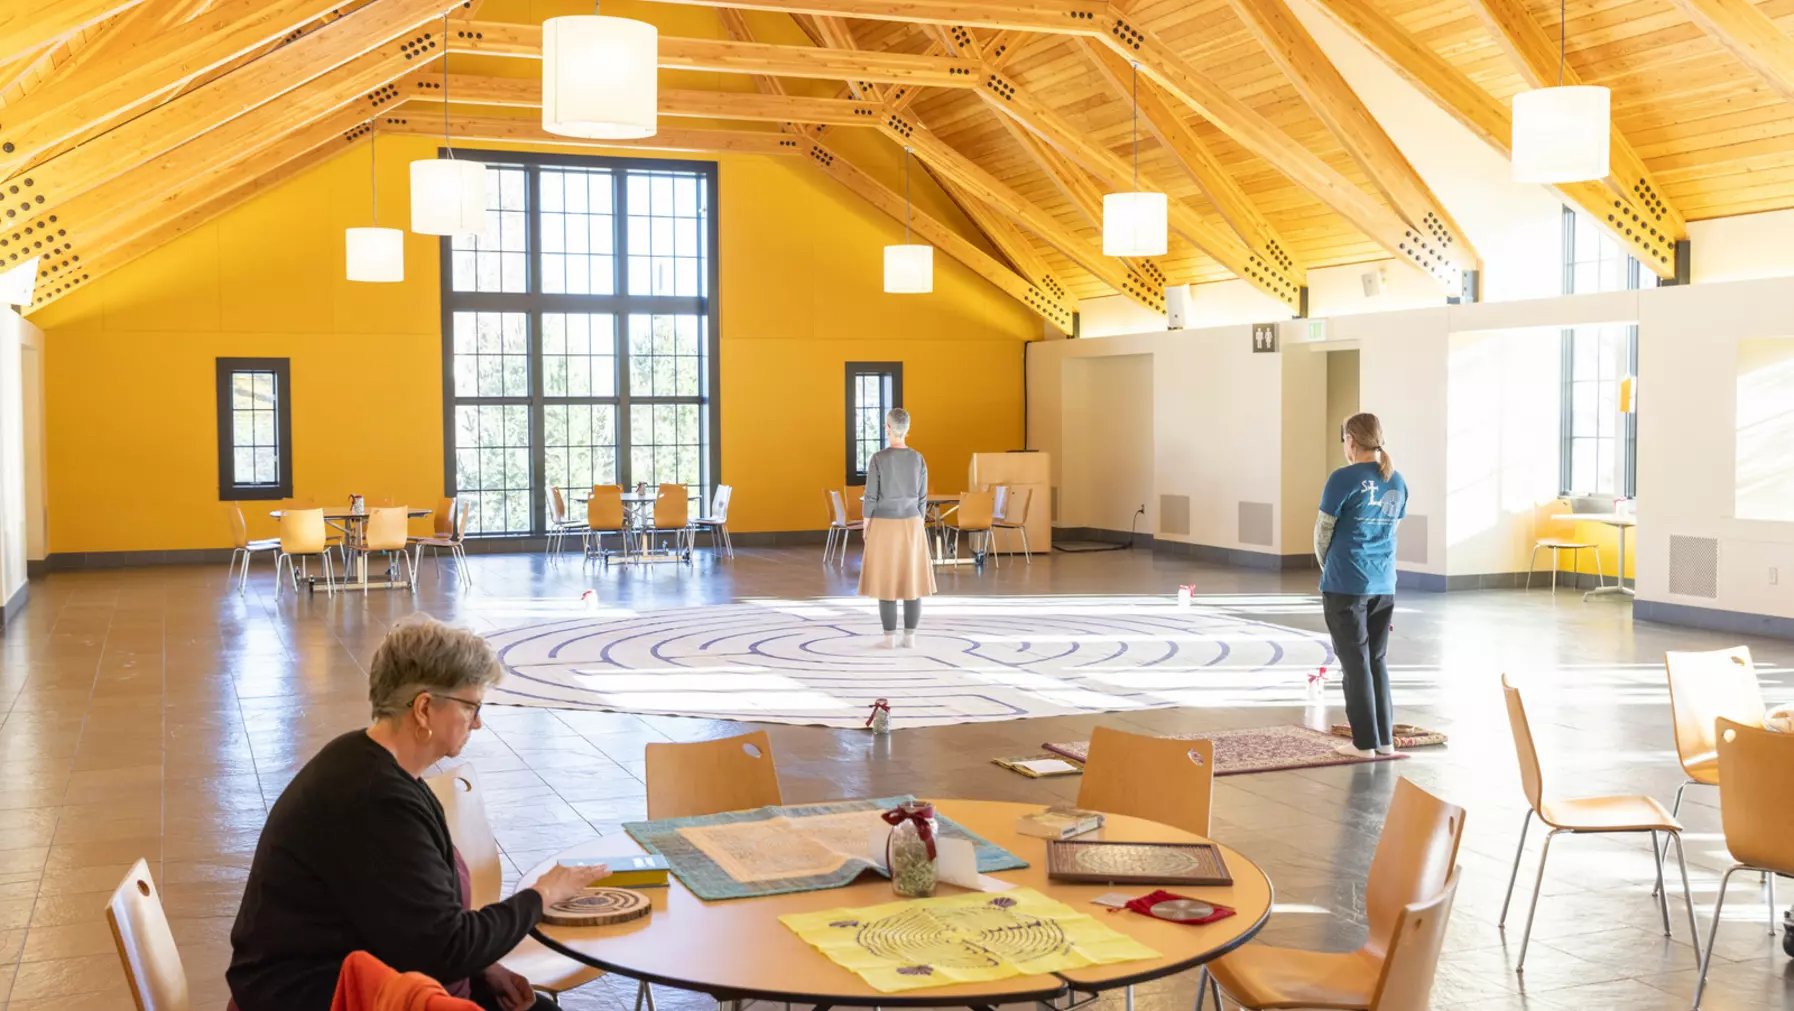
[[475, 706]]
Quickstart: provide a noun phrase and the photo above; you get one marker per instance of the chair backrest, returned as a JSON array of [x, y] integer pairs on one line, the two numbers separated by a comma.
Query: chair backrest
[[146, 946], [709, 777], [442, 521], [975, 510], [837, 508], [999, 508], [1753, 794], [302, 531], [1415, 855], [719, 503], [856, 501], [239, 530], [1406, 982], [1016, 514], [463, 509], [604, 510], [557, 506], [465, 808], [388, 528], [1705, 686], [1156, 778], [1524, 750], [672, 508], [1547, 529]]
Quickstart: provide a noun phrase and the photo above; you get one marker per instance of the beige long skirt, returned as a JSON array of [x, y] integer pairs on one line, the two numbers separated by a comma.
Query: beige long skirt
[[897, 565]]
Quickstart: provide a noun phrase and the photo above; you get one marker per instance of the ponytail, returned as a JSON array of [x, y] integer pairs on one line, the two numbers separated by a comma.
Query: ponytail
[[1387, 466], [1367, 433]]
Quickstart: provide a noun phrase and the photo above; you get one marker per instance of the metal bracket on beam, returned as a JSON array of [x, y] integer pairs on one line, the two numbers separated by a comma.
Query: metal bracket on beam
[[1472, 290]]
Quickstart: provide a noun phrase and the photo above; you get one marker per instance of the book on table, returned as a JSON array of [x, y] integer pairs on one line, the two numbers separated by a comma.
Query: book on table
[[637, 870], [1059, 822]]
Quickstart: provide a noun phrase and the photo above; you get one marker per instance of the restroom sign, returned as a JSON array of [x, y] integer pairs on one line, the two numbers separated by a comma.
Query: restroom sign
[[1264, 338]]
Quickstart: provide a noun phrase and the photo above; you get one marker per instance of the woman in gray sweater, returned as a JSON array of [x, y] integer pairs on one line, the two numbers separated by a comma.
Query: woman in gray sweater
[[896, 563]]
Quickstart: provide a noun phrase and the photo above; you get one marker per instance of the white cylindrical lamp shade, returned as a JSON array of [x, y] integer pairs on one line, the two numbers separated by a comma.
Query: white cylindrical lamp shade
[[909, 270], [448, 197], [375, 254], [1135, 224], [600, 77], [1561, 135]]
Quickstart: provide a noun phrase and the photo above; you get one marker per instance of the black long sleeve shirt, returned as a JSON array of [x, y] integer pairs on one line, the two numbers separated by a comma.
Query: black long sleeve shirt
[[356, 857]]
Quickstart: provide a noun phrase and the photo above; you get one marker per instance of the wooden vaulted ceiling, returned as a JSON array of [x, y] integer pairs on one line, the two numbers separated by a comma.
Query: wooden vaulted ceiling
[[124, 123]]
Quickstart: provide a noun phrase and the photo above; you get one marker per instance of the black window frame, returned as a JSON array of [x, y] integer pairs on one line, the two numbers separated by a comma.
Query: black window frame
[[228, 489], [1626, 432], [891, 371], [533, 303]]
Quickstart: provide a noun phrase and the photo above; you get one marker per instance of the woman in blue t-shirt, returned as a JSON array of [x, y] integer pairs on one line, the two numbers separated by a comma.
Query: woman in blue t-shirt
[[1354, 540]]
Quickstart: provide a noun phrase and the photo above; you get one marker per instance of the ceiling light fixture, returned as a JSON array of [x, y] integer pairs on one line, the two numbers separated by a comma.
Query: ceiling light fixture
[[374, 254], [1136, 223], [909, 268], [448, 197], [1561, 134], [600, 77]]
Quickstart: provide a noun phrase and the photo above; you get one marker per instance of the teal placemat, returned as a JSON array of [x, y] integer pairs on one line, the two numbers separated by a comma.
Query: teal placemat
[[710, 882]]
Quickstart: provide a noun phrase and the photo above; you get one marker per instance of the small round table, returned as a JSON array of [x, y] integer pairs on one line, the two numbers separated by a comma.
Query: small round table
[[344, 517], [738, 950]]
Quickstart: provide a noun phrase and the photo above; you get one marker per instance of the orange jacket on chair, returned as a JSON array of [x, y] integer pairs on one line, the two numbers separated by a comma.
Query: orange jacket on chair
[[368, 984]]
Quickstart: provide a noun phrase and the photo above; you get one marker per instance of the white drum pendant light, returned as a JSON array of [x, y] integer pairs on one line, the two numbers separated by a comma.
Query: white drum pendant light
[[600, 77], [1137, 223], [1561, 134], [448, 197], [375, 254], [909, 268]]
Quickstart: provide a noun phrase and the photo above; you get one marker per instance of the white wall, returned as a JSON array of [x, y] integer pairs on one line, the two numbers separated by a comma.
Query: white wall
[[1503, 435], [1112, 450], [1741, 248], [12, 456]]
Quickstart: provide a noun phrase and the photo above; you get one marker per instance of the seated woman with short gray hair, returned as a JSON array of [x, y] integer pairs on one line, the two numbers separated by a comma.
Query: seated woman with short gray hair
[[356, 855]]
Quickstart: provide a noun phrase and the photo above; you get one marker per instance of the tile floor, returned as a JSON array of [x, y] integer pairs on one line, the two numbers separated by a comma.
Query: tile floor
[[157, 713]]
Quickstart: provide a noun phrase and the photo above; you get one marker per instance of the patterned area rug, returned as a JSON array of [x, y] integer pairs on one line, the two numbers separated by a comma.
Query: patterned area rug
[[976, 659], [1259, 749], [1407, 735]]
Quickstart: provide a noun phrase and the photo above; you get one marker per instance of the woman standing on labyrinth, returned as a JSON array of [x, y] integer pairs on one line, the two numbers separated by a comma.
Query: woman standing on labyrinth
[[896, 564]]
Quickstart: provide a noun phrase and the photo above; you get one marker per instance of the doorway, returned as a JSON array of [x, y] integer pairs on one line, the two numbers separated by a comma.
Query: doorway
[[1342, 401]]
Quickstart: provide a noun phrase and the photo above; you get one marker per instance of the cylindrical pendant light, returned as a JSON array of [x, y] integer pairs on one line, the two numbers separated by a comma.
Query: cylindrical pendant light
[[909, 268], [448, 197], [1561, 134], [600, 77], [374, 253], [1136, 223]]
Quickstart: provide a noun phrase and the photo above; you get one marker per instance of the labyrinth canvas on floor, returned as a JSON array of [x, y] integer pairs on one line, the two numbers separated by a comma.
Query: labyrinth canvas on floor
[[976, 659]]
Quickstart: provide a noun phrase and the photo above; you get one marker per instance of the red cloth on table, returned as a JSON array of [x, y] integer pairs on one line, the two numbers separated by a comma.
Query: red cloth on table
[[368, 984]]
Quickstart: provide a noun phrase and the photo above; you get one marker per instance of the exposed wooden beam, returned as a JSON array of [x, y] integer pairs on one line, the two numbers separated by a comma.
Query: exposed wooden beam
[[45, 117], [1069, 17], [1536, 56], [507, 130], [1623, 214], [835, 34], [1012, 243], [1167, 124], [1750, 35], [1282, 281], [728, 57], [1309, 68], [1002, 48], [27, 24], [526, 92]]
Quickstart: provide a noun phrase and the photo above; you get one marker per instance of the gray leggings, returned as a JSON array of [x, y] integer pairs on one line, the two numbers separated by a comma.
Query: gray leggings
[[912, 614]]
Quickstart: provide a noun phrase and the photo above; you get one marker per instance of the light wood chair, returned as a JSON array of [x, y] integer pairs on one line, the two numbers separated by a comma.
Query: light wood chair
[[672, 517], [605, 515], [302, 536], [334, 535], [975, 515], [452, 540], [241, 546], [462, 802], [717, 523], [1413, 861], [1406, 982], [1703, 687], [1556, 536], [386, 532], [840, 528], [709, 777], [1156, 778], [1754, 809], [1011, 513], [559, 522], [1584, 816], [146, 947]]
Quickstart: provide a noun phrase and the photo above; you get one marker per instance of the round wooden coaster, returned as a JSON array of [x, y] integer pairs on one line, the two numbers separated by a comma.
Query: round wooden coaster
[[597, 907]]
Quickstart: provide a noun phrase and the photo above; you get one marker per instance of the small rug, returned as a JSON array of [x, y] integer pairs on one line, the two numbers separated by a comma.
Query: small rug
[[1407, 735], [1259, 749]]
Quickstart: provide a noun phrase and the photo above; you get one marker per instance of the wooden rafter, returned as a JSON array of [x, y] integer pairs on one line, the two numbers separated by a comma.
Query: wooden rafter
[[1623, 214], [1072, 17], [1200, 163], [526, 92], [1312, 72], [1536, 56], [1748, 33], [27, 24], [508, 130], [1013, 244]]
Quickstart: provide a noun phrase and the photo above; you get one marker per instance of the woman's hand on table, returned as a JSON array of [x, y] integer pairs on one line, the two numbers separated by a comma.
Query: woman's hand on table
[[513, 991], [561, 883]]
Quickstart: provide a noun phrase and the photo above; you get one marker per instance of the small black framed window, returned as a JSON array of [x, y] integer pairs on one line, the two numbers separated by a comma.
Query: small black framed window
[[255, 428], [873, 388]]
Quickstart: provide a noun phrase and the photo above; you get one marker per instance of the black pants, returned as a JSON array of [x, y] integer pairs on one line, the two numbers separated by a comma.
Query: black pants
[[1360, 628]]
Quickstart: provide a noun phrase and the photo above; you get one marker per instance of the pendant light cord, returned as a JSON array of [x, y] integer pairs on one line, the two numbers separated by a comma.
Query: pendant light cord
[[373, 172], [909, 209], [446, 142], [1563, 31], [1136, 67]]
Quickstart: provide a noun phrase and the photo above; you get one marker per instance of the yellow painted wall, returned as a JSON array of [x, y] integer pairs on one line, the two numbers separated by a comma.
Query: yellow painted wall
[[130, 361]]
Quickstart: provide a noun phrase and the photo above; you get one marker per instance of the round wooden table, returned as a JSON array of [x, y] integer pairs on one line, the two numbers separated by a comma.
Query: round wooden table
[[738, 950]]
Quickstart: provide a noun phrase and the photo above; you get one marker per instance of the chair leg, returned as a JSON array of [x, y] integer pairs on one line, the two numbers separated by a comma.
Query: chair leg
[[1694, 931], [1601, 577], [1700, 981], [1769, 883], [1675, 810], [1027, 552], [1512, 877], [1554, 570], [1662, 892], [1532, 564], [1532, 911], [278, 559]]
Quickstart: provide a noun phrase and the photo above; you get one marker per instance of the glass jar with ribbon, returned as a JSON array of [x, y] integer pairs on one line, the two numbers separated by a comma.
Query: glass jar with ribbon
[[910, 851], [880, 717]]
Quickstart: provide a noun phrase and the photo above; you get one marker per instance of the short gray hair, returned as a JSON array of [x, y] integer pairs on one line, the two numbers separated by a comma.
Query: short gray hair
[[424, 655], [898, 420]]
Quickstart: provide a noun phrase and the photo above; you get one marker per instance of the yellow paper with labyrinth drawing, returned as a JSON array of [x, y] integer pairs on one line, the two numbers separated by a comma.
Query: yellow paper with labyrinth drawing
[[962, 939]]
